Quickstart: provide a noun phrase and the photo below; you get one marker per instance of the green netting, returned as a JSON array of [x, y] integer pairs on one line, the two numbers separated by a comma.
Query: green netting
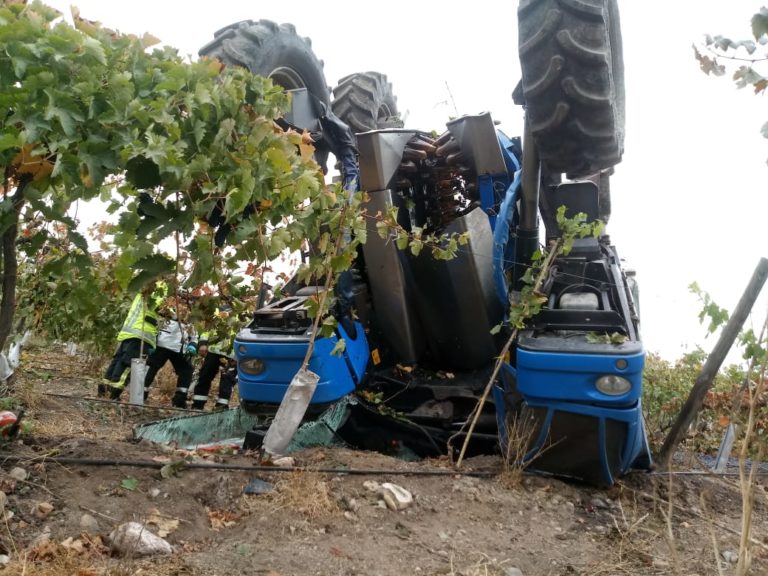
[[322, 432], [191, 431]]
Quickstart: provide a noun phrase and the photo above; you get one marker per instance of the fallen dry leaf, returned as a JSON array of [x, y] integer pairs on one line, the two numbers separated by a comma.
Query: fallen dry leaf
[[165, 524], [340, 553], [74, 545], [221, 519]]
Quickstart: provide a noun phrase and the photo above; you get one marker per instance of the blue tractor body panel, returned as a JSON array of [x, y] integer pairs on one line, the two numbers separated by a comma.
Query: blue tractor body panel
[[586, 442], [571, 377], [282, 356]]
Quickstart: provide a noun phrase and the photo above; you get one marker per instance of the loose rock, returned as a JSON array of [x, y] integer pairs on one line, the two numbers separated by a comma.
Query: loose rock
[[513, 571], [396, 497], [285, 461], [730, 556], [42, 509], [89, 523], [3, 501], [134, 539], [18, 473], [4, 559]]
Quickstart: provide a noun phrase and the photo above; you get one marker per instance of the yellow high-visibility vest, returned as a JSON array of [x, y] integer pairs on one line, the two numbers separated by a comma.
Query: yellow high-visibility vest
[[141, 322]]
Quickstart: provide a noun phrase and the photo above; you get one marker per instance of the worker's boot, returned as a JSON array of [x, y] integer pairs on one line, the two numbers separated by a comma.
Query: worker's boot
[[179, 400], [102, 391], [221, 405], [198, 405], [115, 393]]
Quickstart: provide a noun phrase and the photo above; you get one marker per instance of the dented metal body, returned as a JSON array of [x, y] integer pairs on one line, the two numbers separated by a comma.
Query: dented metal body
[[431, 315]]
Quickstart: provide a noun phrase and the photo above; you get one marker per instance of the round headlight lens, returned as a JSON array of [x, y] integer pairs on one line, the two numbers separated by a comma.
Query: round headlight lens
[[613, 385], [252, 366]]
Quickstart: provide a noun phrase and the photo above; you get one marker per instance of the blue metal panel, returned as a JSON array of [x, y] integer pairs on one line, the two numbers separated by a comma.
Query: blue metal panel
[[282, 360], [635, 452], [485, 185], [572, 377], [356, 352], [635, 445]]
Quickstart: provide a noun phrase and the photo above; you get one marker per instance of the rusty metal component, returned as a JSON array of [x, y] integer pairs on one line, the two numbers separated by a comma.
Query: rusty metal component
[[420, 144], [455, 158], [413, 154], [448, 148], [443, 138]]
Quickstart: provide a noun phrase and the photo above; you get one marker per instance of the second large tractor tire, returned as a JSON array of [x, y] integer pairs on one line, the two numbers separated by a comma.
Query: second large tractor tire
[[365, 101], [573, 82], [271, 50]]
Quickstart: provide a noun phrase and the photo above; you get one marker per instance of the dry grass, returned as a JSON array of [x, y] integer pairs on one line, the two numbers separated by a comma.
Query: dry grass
[[26, 392], [62, 418], [308, 493], [636, 543], [485, 566], [63, 562], [520, 436]]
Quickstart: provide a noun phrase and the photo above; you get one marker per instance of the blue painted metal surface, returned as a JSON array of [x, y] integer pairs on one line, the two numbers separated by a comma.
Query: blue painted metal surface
[[566, 392], [571, 377], [339, 375]]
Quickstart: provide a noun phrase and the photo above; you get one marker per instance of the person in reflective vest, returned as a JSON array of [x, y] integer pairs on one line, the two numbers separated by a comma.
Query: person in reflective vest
[[137, 336], [175, 343], [218, 359]]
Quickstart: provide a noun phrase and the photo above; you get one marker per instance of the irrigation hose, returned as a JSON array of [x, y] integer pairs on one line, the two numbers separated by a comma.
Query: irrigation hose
[[242, 467], [342, 471]]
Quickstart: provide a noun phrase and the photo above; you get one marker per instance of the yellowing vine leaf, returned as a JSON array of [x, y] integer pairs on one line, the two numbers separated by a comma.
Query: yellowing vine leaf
[[36, 165]]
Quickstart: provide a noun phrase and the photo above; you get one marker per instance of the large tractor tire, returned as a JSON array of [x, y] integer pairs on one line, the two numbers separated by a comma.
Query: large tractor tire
[[271, 50], [365, 101], [573, 82]]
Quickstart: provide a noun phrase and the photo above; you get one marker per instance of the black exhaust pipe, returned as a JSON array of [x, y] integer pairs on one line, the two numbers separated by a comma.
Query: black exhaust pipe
[[527, 231]]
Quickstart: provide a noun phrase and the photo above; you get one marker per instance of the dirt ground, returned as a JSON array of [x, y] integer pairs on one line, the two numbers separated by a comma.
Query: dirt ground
[[58, 516]]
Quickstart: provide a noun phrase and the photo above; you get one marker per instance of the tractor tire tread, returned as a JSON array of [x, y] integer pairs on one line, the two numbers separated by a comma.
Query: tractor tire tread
[[265, 46], [365, 101], [573, 82]]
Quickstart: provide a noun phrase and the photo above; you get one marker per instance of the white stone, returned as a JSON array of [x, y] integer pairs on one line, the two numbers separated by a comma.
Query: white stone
[[18, 473], [396, 497], [134, 539]]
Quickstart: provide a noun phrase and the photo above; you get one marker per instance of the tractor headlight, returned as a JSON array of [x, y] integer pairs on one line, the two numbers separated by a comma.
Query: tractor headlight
[[613, 385], [251, 366]]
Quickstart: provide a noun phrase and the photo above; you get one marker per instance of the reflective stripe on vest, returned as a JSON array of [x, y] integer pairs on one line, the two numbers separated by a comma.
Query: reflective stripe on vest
[[136, 326]]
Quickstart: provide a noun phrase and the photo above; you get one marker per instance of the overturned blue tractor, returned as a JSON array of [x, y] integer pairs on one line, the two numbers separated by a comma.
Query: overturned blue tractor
[[419, 331]]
